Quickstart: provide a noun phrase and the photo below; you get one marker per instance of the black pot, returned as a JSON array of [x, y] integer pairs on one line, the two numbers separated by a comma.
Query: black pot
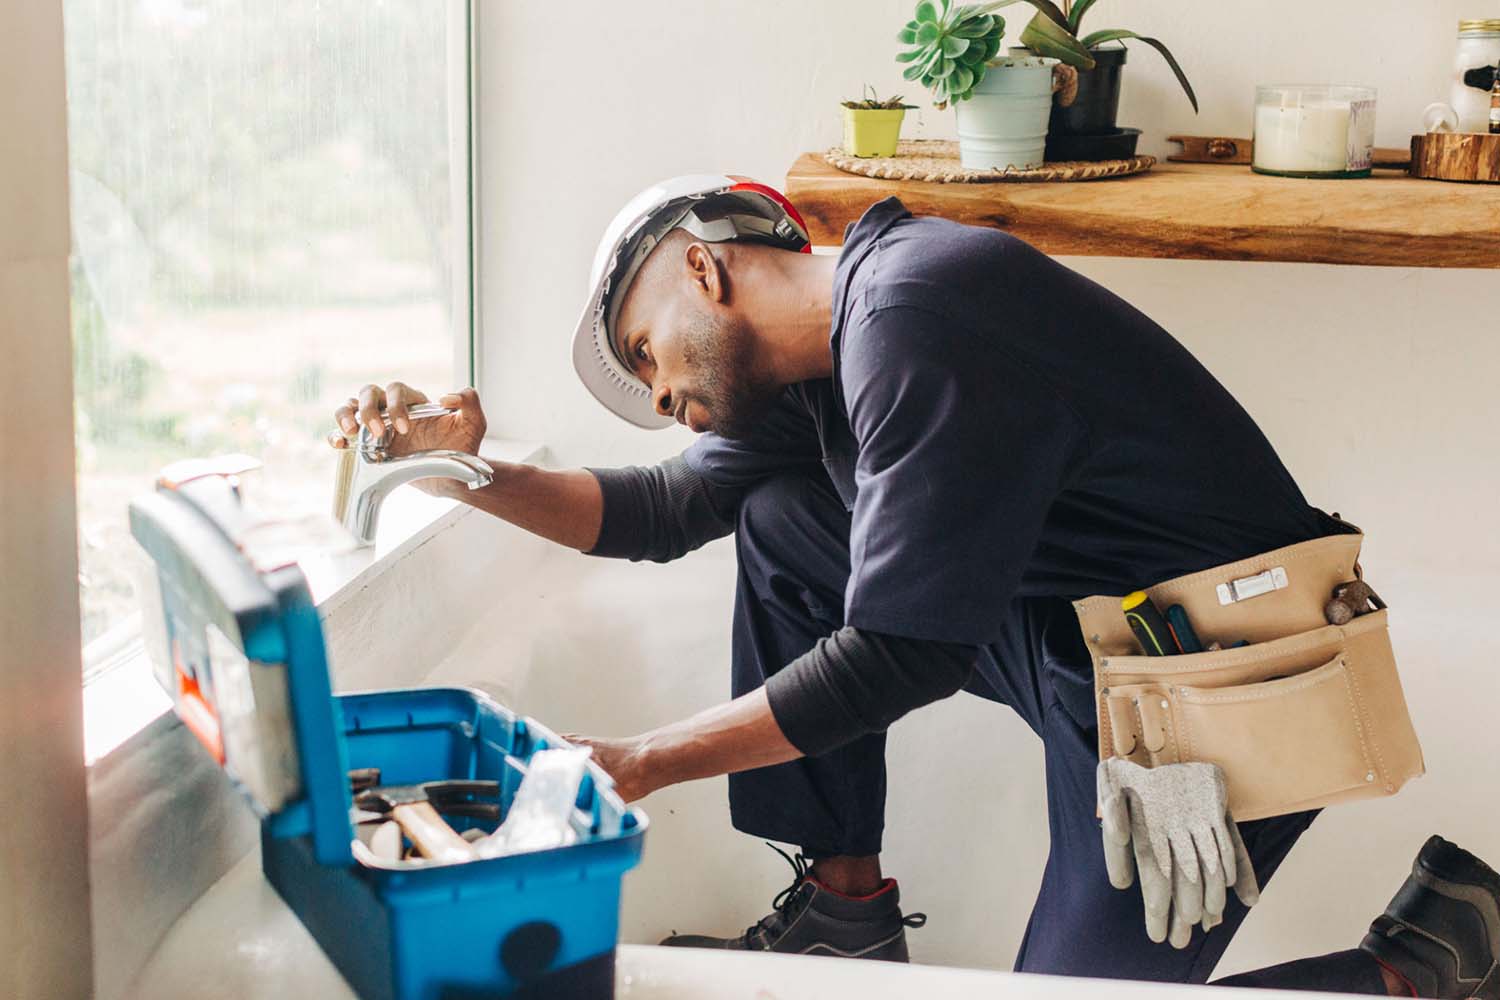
[[1116, 145], [1093, 113]]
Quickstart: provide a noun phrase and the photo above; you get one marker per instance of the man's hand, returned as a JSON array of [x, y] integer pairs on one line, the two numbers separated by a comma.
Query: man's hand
[[737, 736], [462, 430], [623, 760]]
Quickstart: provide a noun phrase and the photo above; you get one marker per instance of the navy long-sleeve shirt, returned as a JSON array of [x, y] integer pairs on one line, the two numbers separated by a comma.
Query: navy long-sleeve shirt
[[998, 427]]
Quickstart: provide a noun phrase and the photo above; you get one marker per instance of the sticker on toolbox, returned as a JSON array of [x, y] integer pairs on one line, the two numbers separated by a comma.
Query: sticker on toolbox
[[255, 721]]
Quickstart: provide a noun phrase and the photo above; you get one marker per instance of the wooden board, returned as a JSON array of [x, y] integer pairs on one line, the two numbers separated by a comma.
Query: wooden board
[[1227, 149], [1456, 156], [1192, 212]]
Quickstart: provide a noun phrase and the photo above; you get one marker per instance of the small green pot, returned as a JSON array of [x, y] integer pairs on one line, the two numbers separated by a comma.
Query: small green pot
[[872, 131]]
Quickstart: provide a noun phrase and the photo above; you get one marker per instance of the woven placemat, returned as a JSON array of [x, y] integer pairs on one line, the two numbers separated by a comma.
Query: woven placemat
[[937, 160]]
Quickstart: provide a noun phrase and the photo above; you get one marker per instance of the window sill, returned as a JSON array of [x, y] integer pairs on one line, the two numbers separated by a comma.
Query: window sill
[[122, 697]]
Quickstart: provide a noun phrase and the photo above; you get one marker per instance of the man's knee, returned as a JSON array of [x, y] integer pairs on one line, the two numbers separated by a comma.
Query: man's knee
[[770, 504], [792, 520]]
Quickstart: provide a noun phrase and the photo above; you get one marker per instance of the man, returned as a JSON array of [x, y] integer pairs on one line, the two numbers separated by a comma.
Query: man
[[926, 448]]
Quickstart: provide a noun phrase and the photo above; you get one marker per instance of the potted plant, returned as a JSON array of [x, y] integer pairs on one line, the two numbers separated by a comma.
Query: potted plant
[[872, 127], [1056, 33], [1002, 102]]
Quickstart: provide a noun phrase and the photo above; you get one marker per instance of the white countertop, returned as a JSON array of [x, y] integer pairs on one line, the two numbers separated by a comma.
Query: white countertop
[[241, 942]]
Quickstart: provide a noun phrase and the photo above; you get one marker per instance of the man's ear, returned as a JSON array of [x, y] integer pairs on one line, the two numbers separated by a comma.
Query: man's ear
[[705, 270]]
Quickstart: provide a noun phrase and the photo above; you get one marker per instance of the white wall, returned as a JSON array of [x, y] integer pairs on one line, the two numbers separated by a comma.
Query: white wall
[[1375, 385], [661, 87], [44, 899]]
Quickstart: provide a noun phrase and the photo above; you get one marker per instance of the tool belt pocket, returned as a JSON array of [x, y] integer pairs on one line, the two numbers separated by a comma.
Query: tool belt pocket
[[1306, 715]]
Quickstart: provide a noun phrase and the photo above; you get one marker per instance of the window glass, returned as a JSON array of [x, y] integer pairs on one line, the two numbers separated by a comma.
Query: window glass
[[269, 206]]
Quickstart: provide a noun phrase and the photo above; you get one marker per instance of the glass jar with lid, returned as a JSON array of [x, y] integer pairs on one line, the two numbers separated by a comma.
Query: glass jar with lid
[[1473, 72]]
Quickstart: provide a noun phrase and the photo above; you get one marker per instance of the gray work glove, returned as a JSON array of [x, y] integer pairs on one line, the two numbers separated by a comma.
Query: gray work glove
[[1172, 824]]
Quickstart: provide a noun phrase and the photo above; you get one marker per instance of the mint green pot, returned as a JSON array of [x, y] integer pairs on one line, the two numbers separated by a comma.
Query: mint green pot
[[1004, 124]]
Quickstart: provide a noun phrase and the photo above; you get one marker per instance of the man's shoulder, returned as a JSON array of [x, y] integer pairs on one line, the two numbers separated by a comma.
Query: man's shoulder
[[940, 266]]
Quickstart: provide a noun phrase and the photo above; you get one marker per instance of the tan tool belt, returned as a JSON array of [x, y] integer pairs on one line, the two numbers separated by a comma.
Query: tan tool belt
[[1307, 715]]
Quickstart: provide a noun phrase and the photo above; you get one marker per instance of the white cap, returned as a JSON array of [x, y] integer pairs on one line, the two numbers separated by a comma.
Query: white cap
[[714, 208]]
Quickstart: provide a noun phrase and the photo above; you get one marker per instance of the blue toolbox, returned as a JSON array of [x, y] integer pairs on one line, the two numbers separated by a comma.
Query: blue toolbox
[[243, 658]]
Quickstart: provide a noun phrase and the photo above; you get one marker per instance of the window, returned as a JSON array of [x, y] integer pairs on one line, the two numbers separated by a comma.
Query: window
[[270, 208]]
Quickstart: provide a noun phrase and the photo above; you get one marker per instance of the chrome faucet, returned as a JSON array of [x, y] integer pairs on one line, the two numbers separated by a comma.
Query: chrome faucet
[[368, 473]]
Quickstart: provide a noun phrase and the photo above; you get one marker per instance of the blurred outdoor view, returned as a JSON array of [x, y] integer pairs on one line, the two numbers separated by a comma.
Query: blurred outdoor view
[[264, 205]]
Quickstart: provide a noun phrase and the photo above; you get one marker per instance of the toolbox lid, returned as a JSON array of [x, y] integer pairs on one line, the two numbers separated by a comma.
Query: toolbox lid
[[237, 644]]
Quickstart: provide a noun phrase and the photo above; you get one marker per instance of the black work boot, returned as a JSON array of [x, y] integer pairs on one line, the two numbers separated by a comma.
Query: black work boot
[[1442, 931], [808, 918]]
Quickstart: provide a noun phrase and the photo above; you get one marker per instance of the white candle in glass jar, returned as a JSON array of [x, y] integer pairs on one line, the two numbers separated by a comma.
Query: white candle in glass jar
[[1316, 131]]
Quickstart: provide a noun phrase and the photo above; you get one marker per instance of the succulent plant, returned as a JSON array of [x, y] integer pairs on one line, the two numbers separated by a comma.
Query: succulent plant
[[952, 45], [872, 102]]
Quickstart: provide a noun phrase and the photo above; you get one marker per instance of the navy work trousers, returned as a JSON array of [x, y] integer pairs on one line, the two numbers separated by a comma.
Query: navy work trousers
[[792, 540]]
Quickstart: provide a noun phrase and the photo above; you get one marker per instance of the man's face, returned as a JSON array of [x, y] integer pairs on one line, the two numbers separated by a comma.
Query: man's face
[[696, 354]]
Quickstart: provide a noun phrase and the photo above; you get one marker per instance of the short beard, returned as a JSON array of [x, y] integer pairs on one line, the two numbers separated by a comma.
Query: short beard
[[719, 355]]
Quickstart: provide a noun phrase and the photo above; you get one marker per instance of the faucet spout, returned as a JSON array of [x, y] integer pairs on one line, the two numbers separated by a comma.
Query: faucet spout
[[375, 476]]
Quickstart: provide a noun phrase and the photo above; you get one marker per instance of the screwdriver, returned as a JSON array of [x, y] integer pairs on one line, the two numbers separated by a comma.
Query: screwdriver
[[1148, 625]]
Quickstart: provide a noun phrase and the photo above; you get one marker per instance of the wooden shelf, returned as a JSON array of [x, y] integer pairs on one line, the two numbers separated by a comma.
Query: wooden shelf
[[1191, 212]]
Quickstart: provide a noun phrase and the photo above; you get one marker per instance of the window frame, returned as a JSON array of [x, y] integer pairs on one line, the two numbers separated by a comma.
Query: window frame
[[463, 35]]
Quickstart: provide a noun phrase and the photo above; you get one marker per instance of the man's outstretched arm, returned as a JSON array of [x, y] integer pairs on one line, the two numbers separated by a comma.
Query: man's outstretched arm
[[657, 513], [736, 736], [851, 683], [565, 506]]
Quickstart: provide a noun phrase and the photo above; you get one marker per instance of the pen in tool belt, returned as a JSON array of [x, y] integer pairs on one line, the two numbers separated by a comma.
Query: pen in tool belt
[[1182, 630]]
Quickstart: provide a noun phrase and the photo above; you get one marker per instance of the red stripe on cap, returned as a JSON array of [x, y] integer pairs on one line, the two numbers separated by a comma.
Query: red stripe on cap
[[746, 184]]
